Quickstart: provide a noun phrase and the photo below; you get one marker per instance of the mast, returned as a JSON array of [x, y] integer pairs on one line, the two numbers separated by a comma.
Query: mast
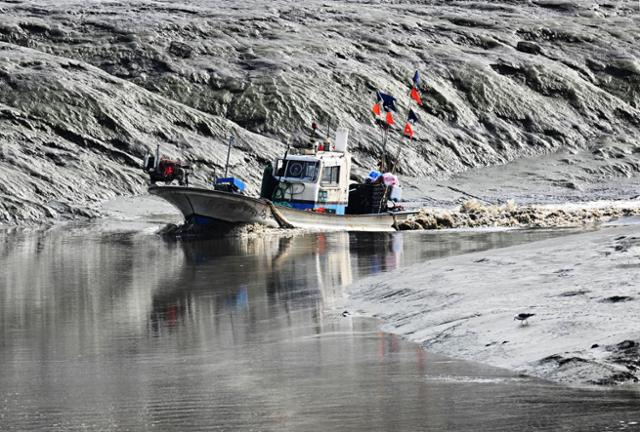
[[397, 158], [385, 137]]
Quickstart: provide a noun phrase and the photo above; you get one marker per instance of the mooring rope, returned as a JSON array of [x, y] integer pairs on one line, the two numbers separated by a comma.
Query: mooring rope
[[282, 221]]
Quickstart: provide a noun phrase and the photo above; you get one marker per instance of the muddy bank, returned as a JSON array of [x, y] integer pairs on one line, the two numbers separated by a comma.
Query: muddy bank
[[583, 290], [474, 214], [86, 91]]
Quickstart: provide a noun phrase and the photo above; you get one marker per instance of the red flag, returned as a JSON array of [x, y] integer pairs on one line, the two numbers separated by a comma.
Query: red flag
[[416, 96], [389, 119], [376, 109], [408, 130]]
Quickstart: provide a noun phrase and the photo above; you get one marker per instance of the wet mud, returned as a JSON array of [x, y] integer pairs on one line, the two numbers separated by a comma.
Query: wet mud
[[87, 90]]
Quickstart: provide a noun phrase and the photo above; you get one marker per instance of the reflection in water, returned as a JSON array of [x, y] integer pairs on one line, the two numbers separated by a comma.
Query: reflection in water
[[256, 278], [112, 331]]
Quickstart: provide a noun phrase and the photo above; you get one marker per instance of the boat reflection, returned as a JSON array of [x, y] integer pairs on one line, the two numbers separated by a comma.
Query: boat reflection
[[69, 279], [257, 279]]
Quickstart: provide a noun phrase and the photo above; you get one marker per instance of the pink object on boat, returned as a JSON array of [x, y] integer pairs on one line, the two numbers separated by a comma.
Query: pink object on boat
[[390, 179]]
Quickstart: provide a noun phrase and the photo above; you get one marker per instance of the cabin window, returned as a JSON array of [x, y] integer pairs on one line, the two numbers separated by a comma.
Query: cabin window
[[331, 175], [302, 170]]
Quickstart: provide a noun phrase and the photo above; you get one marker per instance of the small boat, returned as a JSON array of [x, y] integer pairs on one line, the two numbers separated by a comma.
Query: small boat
[[307, 189], [206, 207]]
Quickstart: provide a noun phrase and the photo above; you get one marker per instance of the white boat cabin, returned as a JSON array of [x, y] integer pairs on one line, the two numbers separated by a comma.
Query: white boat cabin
[[317, 180]]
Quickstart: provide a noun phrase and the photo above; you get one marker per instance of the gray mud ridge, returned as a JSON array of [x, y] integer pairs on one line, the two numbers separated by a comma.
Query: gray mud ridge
[[615, 364], [584, 330], [87, 88]]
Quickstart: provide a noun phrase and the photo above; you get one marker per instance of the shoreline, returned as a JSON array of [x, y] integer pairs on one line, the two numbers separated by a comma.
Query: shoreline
[[581, 288]]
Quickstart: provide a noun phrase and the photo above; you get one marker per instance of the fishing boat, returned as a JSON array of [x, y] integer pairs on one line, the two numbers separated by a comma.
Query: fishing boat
[[307, 188]]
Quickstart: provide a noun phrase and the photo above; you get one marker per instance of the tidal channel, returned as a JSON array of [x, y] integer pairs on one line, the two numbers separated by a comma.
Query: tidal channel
[[116, 329]]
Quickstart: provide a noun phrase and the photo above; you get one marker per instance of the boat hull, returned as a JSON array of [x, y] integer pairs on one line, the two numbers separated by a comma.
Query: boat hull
[[203, 206]]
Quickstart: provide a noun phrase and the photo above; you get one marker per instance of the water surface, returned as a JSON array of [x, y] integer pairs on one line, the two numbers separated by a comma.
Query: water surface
[[112, 330]]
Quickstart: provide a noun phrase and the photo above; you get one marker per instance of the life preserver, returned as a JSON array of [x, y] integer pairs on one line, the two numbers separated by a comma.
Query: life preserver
[[295, 169]]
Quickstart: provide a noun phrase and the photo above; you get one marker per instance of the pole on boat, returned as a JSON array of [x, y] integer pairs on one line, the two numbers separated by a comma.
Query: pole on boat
[[393, 170], [396, 162], [285, 164], [232, 140], [385, 138]]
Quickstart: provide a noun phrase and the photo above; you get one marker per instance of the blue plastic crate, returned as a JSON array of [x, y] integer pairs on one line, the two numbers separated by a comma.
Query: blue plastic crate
[[237, 183]]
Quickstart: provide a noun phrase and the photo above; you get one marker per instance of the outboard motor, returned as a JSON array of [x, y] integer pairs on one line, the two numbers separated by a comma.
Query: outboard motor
[[166, 170]]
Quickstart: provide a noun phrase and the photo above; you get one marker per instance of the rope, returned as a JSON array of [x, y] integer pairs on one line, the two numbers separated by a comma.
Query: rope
[[285, 187], [282, 221], [499, 201]]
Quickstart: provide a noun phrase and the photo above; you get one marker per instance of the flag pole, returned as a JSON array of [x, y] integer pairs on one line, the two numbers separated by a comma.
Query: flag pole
[[397, 159], [384, 150], [382, 136], [383, 168]]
